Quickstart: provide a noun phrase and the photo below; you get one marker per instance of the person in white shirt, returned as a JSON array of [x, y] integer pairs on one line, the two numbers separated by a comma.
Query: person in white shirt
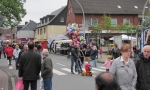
[[16, 54]]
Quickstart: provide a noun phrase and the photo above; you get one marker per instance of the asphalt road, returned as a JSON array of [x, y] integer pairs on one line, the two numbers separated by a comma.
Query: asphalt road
[[62, 77]]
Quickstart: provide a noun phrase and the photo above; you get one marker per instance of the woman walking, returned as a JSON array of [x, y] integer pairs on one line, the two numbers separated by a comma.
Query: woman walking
[[9, 52], [124, 69]]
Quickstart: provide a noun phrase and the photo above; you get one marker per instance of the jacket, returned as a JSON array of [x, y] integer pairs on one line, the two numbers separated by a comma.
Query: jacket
[[94, 54], [87, 52], [16, 53], [30, 65], [9, 51], [143, 71], [126, 75], [20, 54], [47, 68], [74, 53], [107, 64]]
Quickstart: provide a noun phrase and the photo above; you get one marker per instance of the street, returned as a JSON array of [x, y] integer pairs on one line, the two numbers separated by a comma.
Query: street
[[62, 77]]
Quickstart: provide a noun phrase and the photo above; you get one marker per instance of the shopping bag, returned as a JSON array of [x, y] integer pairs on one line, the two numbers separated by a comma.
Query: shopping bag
[[41, 84], [19, 85]]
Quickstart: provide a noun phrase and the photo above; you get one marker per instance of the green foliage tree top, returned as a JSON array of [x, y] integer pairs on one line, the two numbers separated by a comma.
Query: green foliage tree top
[[12, 11]]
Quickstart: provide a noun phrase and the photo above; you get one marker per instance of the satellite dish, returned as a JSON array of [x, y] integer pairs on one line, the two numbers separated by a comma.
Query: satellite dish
[[1, 19]]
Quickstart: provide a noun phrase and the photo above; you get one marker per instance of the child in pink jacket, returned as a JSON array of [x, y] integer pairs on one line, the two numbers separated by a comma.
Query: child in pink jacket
[[107, 63], [100, 52]]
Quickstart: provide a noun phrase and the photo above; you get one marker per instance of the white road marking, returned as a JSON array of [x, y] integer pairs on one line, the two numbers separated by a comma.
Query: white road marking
[[58, 72], [102, 67], [68, 70], [60, 64], [102, 70]]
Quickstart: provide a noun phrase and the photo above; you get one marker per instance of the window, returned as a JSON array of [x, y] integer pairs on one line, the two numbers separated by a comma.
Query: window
[[90, 21], [44, 30], [136, 7], [61, 19], [113, 22], [38, 31], [119, 6], [41, 31], [126, 21]]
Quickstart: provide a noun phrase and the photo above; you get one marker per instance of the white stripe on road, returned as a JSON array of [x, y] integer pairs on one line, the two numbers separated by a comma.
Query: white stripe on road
[[68, 70], [58, 72], [102, 67], [60, 64], [102, 70]]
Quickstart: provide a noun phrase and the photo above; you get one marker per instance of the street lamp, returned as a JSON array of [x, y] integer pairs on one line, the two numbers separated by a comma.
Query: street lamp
[[143, 19], [83, 15]]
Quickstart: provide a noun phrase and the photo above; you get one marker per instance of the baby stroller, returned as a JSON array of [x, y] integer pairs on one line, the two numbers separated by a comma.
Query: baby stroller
[[88, 70]]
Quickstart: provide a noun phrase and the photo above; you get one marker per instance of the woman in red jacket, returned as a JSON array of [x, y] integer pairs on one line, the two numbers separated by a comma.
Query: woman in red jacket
[[9, 52]]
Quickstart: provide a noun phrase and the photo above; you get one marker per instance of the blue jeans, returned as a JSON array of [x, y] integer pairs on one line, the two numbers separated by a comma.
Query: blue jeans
[[94, 63], [72, 64], [47, 83], [16, 59]]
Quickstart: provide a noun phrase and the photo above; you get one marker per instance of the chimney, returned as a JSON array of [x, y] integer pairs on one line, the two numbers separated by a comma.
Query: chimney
[[26, 23]]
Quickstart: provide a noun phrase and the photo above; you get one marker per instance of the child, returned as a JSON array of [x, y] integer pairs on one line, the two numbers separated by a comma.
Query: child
[[107, 63], [100, 52], [87, 67]]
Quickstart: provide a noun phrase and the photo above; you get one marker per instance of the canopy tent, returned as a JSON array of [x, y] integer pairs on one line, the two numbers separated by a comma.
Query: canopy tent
[[63, 41], [61, 37], [125, 37]]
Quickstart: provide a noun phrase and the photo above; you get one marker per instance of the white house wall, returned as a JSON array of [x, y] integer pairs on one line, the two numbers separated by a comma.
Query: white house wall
[[25, 34]]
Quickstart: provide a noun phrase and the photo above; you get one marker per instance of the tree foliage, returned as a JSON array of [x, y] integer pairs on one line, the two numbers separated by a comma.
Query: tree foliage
[[107, 24], [12, 11]]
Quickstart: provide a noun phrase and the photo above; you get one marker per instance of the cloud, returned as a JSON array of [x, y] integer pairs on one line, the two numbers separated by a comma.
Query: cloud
[[37, 9]]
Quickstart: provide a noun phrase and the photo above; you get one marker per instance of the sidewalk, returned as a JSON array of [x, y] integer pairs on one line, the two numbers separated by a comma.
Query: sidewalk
[[3, 80]]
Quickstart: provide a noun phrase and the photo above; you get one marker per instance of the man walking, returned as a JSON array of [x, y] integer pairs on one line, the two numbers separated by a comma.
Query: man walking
[[142, 63], [30, 66]]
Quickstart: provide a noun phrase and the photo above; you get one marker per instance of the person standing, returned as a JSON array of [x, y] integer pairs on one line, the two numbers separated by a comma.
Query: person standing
[[75, 58], [29, 68], [4, 50], [123, 68], [47, 70], [39, 47], [142, 63], [100, 52], [108, 63], [16, 54], [115, 51], [94, 53], [87, 53], [1, 50], [9, 52]]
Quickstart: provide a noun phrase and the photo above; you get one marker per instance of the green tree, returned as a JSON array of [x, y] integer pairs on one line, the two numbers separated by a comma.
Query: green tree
[[12, 11]]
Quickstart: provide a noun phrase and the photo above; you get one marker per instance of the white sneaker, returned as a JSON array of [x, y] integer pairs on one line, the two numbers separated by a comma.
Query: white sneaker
[[10, 67]]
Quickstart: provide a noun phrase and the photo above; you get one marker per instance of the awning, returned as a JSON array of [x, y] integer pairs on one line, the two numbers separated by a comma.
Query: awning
[[63, 41], [40, 40]]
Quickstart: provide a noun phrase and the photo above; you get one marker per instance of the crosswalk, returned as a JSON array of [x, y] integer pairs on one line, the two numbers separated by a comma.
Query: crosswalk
[[63, 71]]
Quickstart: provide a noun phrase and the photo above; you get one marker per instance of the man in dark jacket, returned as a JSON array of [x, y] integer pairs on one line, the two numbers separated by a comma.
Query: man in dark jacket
[[25, 48], [142, 63], [74, 58], [30, 66]]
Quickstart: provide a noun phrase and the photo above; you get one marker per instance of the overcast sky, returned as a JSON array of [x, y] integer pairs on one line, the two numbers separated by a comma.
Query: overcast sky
[[36, 9]]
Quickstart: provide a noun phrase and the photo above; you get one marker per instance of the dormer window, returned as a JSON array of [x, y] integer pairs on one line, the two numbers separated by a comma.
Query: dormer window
[[119, 6], [136, 7], [146, 6], [61, 19]]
